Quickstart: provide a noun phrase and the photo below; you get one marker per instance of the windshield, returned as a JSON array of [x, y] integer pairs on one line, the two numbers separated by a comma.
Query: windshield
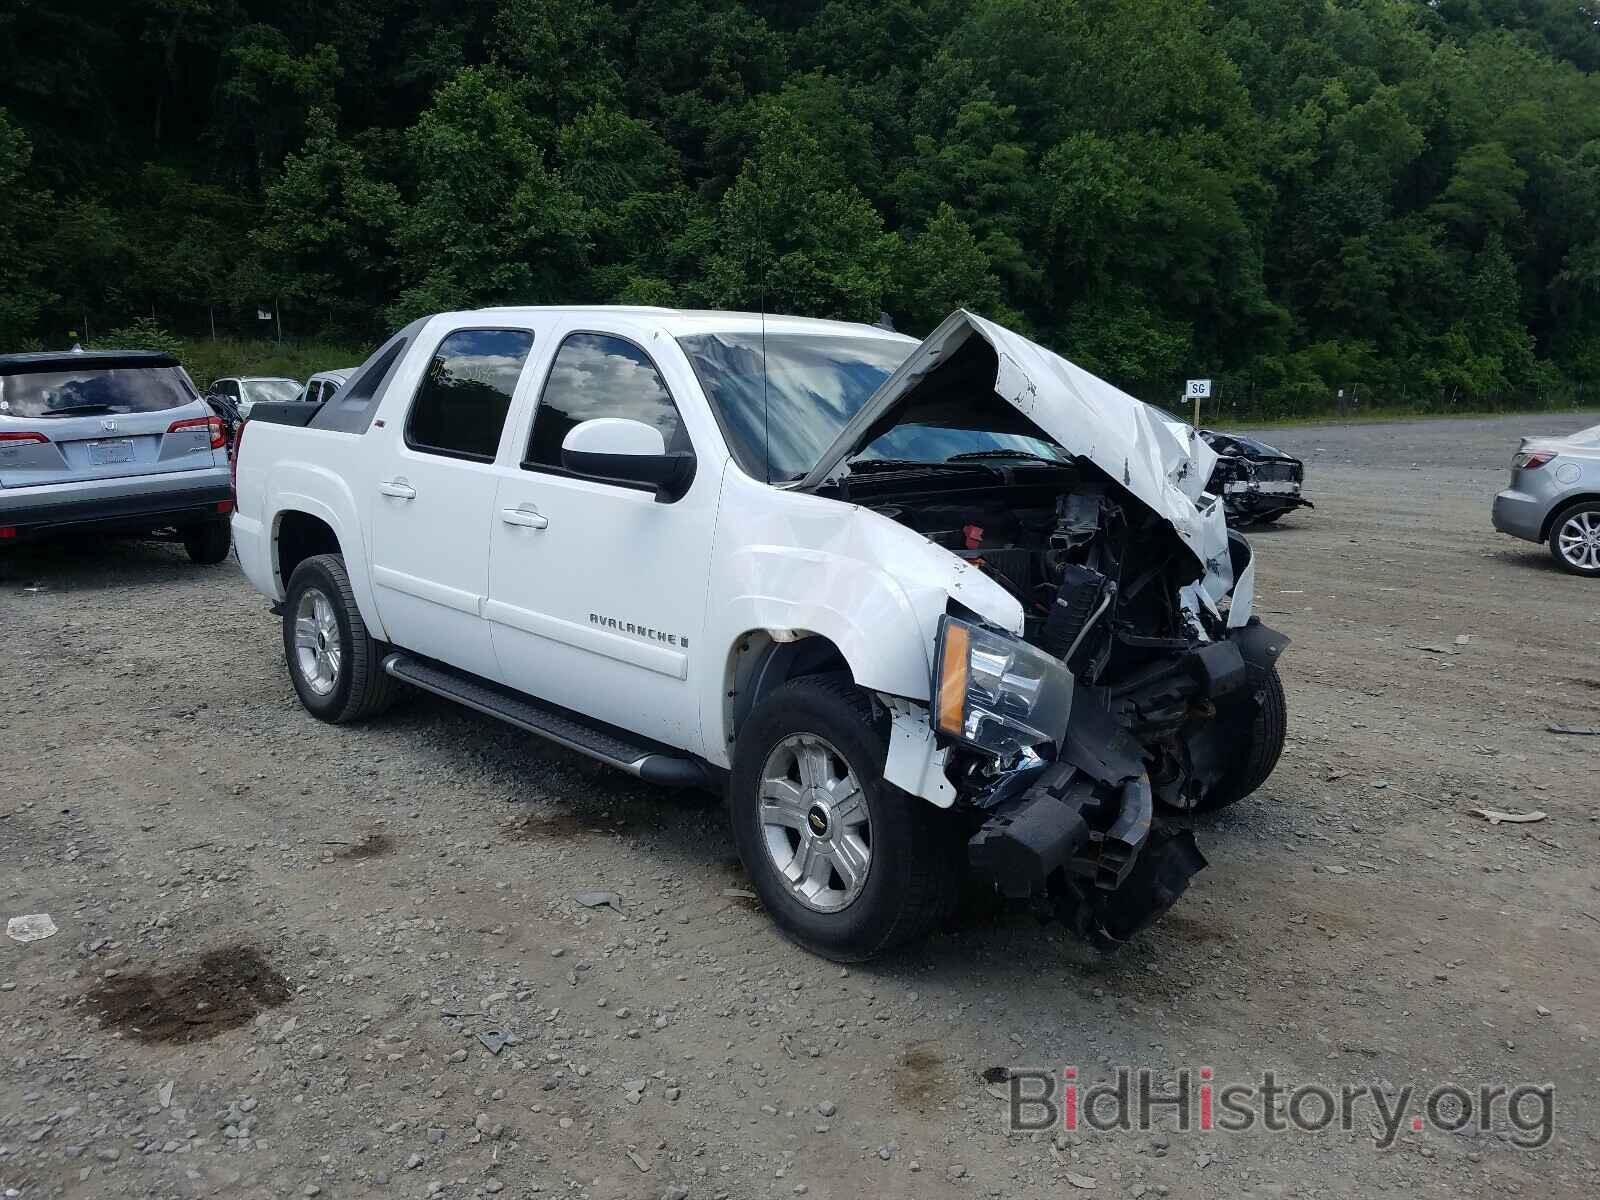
[[814, 384], [269, 391], [64, 393]]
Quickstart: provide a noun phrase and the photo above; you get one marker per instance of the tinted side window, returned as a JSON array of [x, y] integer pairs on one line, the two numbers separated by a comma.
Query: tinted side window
[[595, 375], [228, 388], [460, 407]]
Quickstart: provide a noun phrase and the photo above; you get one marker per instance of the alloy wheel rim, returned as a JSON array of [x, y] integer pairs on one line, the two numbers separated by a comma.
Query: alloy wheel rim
[[1579, 540], [317, 652], [814, 823]]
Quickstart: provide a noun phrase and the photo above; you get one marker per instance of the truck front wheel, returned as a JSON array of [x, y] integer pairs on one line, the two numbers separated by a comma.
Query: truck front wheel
[[336, 666], [847, 864]]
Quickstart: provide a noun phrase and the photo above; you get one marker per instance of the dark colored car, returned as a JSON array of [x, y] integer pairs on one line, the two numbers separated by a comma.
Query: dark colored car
[[1258, 483]]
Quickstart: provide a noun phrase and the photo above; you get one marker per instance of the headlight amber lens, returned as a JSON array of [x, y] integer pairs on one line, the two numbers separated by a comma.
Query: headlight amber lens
[[953, 679], [996, 692]]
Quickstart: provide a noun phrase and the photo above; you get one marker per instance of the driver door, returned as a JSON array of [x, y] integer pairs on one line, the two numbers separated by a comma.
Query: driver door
[[597, 592]]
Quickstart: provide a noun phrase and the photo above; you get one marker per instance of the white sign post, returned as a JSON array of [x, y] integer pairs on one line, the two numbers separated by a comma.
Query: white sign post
[[1197, 390]]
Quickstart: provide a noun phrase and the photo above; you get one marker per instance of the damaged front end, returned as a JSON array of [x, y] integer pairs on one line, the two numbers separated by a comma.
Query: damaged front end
[[1083, 747], [1257, 482], [1128, 686]]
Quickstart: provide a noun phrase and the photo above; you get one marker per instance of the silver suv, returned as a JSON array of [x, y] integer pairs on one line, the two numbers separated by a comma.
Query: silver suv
[[114, 442]]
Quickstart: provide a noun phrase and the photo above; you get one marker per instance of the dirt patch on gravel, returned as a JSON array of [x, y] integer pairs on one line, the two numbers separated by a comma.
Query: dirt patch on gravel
[[560, 827], [222, 990], [920, 1081], [373, 845]]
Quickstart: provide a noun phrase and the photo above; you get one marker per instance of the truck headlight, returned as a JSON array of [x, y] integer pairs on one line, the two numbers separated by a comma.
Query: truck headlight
[[996, 692]]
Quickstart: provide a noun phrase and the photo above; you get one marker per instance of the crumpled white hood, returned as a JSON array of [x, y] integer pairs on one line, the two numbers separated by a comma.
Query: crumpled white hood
[[1089, 417]]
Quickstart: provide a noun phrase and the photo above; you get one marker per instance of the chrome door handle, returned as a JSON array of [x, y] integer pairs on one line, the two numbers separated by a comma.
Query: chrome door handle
[[527, 518], [398, 489]]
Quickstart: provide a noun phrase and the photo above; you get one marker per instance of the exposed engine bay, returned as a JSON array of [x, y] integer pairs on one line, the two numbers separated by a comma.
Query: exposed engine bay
[[1165, 694]]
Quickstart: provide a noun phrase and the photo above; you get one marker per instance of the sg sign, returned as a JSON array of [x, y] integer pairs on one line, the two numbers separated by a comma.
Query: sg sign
[[1197, 389]]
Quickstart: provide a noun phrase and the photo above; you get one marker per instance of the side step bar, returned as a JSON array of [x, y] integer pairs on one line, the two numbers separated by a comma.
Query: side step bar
[[602, 743]]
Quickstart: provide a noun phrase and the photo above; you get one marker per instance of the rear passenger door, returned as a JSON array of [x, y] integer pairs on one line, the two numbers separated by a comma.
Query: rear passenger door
[[435, 492]]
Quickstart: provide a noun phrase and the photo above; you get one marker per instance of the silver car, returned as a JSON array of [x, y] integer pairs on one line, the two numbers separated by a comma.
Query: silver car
[[1554, 498], [116, 442]]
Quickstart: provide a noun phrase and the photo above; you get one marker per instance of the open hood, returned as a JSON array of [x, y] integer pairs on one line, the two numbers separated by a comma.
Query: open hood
[[1160, 464]]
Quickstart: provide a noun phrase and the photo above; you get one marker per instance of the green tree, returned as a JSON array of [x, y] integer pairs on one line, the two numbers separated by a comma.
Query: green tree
[[796, 237], [268, 92], [941, 269], [22, 295], [1296, 194], [493, 222], [1483, 195], [327, 239], [558, 48]]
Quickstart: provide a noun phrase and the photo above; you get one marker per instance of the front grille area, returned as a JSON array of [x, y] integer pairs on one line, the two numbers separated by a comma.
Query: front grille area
[[1276, 472]]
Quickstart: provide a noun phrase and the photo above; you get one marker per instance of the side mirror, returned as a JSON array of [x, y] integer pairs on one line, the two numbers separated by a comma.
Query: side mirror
[[626, 451]]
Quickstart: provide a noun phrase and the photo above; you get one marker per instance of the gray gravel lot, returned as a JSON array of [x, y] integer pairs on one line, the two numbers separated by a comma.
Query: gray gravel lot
[[1468, 443], [297, 960]]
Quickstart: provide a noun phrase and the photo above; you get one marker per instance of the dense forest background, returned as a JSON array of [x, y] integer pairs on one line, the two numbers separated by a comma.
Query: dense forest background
[[1396, 197]]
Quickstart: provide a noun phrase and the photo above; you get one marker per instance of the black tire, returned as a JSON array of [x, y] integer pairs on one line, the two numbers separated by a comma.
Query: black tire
[[360, 688], [1257, 724], [208, 543], [1554, 540], [916, 868]]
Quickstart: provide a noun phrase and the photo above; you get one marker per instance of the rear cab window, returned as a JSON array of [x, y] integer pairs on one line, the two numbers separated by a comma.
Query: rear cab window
[[460, 407]]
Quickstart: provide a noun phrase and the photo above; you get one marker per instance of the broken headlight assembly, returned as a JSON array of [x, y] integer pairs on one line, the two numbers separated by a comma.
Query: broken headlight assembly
[[995, 692]]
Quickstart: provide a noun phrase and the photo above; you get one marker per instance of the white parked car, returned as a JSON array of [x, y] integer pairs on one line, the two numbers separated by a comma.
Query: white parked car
[[920, 610], [245, 392]]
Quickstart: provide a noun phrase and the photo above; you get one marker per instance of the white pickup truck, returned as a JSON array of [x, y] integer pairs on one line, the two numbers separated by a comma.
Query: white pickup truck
[[922, 610]]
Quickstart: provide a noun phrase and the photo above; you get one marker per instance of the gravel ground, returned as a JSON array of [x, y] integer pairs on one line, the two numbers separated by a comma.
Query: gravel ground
[[297, 960]]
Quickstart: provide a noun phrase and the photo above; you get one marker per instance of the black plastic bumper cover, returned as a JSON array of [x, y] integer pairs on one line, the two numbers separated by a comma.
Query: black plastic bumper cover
[[1065, 822]]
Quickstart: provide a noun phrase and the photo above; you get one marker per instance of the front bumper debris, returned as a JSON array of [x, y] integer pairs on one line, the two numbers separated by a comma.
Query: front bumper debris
[[1091, 853], [1081, 837]]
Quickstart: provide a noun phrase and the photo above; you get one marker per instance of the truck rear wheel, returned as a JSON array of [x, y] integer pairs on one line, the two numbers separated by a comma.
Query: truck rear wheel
[[336, 666], [1258, 723], [847, 864]]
